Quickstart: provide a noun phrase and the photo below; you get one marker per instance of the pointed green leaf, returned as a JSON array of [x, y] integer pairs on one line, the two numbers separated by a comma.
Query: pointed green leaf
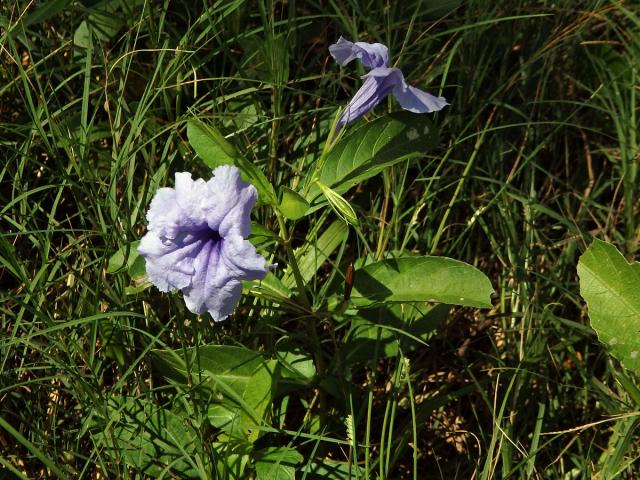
[[243, 379], [124, 258], [210, 144], [339, 204], [611, 287], [215, 150], [368, 150], [422, 279], [292, 205]]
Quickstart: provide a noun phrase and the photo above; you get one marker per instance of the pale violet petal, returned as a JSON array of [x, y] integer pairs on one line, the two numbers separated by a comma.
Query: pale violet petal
[[164, 214], [237, 221], [225, 192], [223, 300], [207, 266], [377, 85], [241, 259], [417, 101], [372, 55], [169, 266], [191, 196]]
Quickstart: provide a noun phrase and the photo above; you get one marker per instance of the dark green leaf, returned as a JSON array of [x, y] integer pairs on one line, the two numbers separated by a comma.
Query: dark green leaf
[[422, 279], [385, 331], [368, 150], [148, 437], [292, 205], [277, 463], [210, 144], [611, 287]]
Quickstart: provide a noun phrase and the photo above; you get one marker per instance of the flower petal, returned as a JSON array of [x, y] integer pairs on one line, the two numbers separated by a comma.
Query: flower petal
[[377, 85], [416, 100], [169, 265], [241, 259], [372, 55], [229, 196], [203, 285]]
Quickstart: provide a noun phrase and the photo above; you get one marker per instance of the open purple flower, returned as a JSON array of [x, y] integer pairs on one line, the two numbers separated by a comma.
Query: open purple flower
[[379, 82], [196, 240]]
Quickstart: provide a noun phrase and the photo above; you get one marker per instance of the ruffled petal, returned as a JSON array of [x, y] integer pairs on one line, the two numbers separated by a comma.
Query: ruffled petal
[[417, 101], [164, 214], [372, 55], [377, 85], [241, 259], [228, 195], [216, 287], [203, 284], [169, 265]]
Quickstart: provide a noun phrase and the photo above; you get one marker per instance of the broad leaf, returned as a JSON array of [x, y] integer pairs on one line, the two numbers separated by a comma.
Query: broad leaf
[[148, 437], [611, 287], [421, 279], [297, 366], [277, 463], [292, 204], [210, 145], [368, 150], [387, 330], [241, 379]]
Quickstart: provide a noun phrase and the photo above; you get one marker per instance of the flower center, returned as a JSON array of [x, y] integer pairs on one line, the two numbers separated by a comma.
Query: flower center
[[213, 235]]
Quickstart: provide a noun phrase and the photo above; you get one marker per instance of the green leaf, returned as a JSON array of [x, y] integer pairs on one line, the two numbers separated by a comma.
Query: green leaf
[[292, 205], [368, 150], [421, 279], [215, 150], [611, 287], [339, 204], [297, 365], [210, 144], [261, 236], [385, 331], [240, 378], [315, 251], [147, 437], [232, 457], [277, 463], [253, 175], [138, 268], [103, 24], [124, 258]]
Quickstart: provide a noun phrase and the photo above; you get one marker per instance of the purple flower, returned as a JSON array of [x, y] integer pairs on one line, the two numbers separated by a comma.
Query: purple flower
[[379, 82], [196, 240]]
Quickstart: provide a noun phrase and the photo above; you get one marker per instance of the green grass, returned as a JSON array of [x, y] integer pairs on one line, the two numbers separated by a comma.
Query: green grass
[[538, 153]]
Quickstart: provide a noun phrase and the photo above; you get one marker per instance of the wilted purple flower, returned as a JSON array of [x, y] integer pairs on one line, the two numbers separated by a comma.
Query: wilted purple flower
[[196, 240], [379, 82]]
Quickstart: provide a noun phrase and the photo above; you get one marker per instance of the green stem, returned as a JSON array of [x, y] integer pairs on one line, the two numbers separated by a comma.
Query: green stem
[[286, 240]]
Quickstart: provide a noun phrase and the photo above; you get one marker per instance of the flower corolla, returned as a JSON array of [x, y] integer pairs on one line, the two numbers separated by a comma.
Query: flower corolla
[[379, 82], [196, 240]]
